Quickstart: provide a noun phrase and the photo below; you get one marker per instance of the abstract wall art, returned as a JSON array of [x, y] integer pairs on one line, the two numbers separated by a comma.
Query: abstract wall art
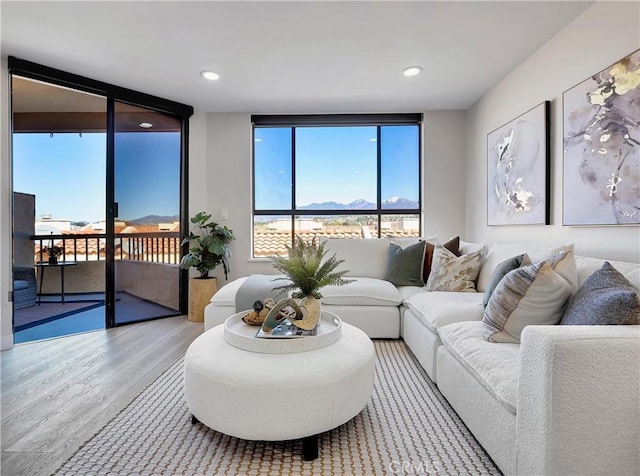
[[601, 139], [517, 170]]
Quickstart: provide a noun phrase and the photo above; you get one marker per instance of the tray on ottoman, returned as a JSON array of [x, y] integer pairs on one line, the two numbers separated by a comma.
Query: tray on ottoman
[[243, 336]]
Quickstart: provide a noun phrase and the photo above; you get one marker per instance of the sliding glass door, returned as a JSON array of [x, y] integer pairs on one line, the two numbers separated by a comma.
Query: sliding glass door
[[59, 152], [100, 177], [146, 221]]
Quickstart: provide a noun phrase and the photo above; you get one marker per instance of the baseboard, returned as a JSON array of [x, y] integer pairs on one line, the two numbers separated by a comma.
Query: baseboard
[[6, 342]]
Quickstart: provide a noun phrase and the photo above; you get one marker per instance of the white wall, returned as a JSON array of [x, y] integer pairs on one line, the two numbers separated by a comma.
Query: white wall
[[6, 331], [229, 180], [229, 187], [197, 162], [443, 178], [602, 35]]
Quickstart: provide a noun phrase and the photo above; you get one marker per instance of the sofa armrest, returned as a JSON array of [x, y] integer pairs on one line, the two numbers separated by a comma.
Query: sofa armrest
[[578, 400]]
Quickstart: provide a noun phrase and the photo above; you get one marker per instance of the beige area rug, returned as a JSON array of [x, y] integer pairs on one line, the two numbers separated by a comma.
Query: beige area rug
[[406, 428]]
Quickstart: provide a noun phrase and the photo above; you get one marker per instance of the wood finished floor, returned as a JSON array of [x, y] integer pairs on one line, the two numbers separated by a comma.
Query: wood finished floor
[[56, 394]]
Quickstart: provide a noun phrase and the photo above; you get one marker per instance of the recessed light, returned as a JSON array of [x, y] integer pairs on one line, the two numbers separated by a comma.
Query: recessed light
[[146, 125], [210, 75], [412, 70]]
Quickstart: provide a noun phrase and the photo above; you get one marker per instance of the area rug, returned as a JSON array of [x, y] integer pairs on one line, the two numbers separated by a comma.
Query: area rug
[[406, 428]]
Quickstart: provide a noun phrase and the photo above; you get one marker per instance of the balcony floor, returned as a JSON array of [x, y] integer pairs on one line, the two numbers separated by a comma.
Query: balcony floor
[[80, 313]]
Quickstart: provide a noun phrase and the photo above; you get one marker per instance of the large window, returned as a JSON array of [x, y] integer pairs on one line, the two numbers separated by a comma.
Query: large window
[[347, 176]]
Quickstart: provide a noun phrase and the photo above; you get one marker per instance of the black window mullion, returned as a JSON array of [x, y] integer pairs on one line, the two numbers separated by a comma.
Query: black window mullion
[[293, 185], [341, 120], [379, 178]]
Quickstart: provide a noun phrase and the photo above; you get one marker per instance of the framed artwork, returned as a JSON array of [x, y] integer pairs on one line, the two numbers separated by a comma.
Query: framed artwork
[[601, 139], [517, 170]]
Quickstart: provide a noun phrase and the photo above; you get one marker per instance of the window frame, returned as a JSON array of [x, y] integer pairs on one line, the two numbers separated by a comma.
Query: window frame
[[334, 120]]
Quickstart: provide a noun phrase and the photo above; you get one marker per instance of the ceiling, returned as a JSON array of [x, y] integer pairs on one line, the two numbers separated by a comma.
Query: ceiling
[[289, 57]]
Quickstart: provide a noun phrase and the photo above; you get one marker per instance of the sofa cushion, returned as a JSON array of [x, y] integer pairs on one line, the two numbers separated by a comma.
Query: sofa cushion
[[454, 273], [405, 265], [495, 366], [226, 295], [498, 252], [586, 266], [362, 291], [404, 242], [531, 295], [19, 284], [439, 308], [466, 247], [366, 257], [605, 298]]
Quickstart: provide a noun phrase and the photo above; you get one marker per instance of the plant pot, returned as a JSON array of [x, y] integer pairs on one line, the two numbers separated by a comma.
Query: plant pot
[[312, 305], [53, 260], [200, 292]]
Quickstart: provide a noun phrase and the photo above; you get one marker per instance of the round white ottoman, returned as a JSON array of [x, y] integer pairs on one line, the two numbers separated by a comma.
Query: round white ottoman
[[275, 397]]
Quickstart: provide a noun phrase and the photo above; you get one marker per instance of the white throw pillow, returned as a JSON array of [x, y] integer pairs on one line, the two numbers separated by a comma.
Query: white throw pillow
[[454, 273], [530, 295]]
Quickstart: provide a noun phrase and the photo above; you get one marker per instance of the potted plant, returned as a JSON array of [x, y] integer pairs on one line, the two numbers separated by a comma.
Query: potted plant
[[207, 250], [54, 253], [308, 271]]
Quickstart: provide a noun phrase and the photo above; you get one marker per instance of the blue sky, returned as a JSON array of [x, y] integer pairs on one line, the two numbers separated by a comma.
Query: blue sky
[[67, 173], [334, 164]]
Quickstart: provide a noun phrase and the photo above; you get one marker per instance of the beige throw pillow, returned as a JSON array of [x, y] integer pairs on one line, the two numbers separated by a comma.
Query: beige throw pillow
[[530, 295], [454, 273]]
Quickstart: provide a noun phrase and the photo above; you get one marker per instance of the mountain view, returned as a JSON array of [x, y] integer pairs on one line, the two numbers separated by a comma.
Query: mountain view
[[393, 203], [153, 220]]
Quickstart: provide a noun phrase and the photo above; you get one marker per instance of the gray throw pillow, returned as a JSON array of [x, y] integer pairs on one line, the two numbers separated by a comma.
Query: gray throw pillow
[[404, 265], [501, 271], [605, 298]]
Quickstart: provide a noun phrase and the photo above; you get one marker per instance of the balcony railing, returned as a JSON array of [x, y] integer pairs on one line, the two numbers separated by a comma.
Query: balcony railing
[[161, 247]]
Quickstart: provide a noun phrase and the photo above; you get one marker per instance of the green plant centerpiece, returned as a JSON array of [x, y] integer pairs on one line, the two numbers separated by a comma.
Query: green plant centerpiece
[[209, 248], [308, 271]]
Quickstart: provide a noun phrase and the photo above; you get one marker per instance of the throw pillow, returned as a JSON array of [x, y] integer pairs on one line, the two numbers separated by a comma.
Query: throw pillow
[[564, 263], [605, 298], [530, 295], [452, 245], [501, 271], [454, 273], [404, 265]]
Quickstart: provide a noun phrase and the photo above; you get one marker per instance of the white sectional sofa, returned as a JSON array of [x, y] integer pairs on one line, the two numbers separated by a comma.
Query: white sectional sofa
[[369, 302], [566, 400]]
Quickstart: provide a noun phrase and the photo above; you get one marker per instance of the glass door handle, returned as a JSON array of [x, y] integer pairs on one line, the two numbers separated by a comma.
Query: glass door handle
[[115, 210]]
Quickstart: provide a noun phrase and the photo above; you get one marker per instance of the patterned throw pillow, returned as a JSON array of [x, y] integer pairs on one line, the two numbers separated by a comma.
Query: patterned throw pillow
[[452, 245], [535, 294], [605, 298], [454, 273]]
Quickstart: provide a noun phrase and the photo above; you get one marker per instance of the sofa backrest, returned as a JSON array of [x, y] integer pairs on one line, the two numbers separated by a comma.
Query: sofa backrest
[[587, 265], [366, 258], [499, 252]]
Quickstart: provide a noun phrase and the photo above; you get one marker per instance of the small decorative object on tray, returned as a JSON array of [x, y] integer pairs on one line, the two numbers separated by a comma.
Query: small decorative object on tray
[[288, 319], [259, 313]]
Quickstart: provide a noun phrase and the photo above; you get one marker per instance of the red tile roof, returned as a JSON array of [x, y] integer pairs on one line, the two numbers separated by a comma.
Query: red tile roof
[[268, 242]]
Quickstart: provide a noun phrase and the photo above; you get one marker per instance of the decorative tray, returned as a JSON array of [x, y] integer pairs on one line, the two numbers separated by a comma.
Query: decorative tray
[[243, 336]]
